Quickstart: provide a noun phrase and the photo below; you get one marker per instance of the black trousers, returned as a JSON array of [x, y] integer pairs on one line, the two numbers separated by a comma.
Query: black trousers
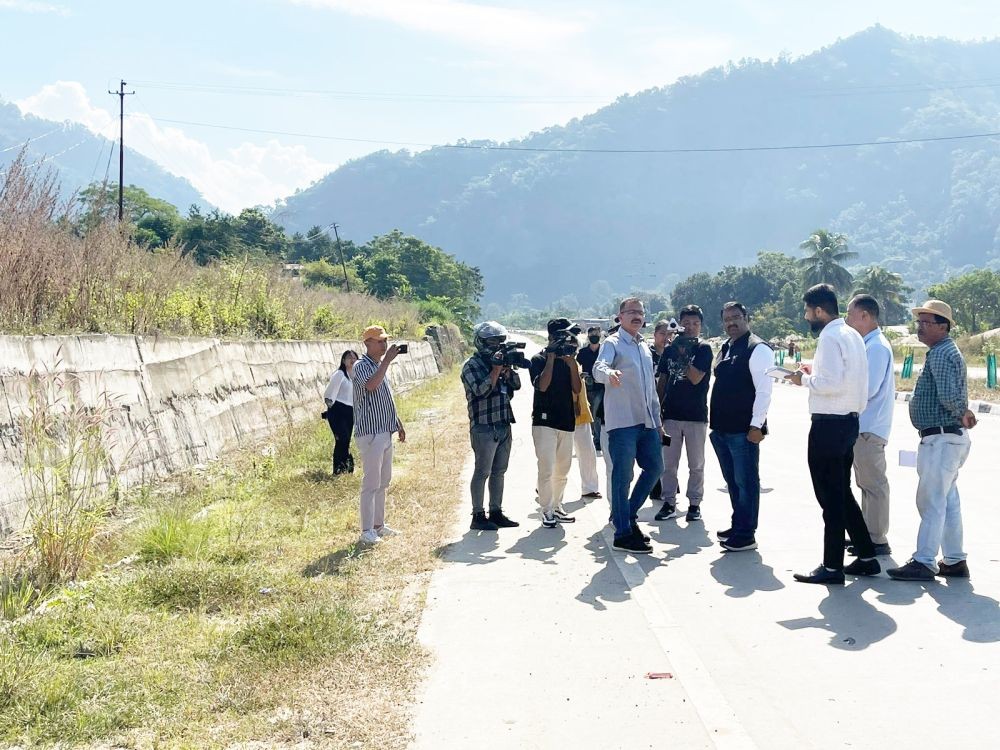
[[831, 455], [341, 420]]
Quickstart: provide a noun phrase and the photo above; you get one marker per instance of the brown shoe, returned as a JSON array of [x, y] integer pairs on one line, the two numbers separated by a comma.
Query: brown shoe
[[955, 570]]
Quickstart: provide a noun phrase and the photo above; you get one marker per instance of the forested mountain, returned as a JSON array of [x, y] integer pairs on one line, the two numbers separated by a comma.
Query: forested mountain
[[553, 224], [79, 157]]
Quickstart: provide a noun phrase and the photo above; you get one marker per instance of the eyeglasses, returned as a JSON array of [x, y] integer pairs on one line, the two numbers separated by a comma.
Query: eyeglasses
[[633, 312], [928, 323]]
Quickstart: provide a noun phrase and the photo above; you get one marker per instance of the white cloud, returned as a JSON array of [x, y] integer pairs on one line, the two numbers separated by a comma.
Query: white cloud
[[248, 174], [27, 6], [472, 24]]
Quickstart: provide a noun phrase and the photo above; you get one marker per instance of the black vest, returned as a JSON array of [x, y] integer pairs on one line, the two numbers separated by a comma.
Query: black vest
[[733, 393]]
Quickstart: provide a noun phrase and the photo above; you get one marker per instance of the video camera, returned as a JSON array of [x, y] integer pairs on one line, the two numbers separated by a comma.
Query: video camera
[[564, 344], [510, 354]]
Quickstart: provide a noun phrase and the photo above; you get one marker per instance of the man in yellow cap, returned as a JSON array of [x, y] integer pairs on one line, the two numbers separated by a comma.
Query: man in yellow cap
[[939, 410], [375, 419]]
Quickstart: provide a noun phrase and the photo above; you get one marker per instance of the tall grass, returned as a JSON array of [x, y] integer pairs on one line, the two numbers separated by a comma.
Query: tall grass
[[57, 278]]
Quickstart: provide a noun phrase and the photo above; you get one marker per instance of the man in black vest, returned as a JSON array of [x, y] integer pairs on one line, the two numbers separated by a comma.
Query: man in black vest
[[738, 419]]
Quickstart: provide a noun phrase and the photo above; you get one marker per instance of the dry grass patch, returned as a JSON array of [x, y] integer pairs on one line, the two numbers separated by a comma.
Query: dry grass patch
[[239, 612]]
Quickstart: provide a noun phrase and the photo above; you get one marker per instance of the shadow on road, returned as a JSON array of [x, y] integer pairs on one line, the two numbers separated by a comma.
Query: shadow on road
[[472, 549], [744, 573], [978, 614], [541, 544], [853, 623], [689, 539]]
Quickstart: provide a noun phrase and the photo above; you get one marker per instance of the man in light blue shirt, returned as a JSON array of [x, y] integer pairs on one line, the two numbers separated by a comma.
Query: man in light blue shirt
[[632, 422], [875, 421]]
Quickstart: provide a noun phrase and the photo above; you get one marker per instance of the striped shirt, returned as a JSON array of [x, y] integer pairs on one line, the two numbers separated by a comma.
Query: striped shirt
[[374, 411]]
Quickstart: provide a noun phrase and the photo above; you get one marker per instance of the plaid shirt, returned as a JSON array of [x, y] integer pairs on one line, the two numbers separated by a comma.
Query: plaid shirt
[[941, 395], [488, 404]]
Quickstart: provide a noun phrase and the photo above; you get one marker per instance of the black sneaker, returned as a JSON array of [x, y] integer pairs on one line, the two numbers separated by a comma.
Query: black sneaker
[[693, 514], [821, 576], [549, 520], [637, 530], [863, 568], [632, 543], [724, 534], [562, 516], [669, 510], [732, 544], [481, 523], [912, 571], [955, 570], [497, 517]]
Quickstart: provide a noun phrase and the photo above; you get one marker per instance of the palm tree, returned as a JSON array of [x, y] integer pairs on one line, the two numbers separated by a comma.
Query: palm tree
[[888, 288], [822, 265]]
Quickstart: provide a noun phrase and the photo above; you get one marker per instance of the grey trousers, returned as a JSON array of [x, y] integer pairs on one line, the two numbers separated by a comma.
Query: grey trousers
[[491, 450], [691, 435], [869, 474]]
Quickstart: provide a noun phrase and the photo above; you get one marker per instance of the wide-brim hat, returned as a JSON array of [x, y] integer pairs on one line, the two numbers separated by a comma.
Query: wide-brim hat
[[935, 307], [374, 332]]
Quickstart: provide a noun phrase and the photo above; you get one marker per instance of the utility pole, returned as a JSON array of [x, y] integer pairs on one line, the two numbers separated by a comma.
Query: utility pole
[[121, 94], [336, 234]]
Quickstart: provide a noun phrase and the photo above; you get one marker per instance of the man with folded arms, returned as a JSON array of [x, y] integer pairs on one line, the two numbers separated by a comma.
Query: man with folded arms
[[939, 410], [838, 393], [875, 421]]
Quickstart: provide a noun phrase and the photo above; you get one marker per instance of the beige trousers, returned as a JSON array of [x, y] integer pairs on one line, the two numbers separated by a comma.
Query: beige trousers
[[586, 457], [869, 474], [554, 451], [376, 461]]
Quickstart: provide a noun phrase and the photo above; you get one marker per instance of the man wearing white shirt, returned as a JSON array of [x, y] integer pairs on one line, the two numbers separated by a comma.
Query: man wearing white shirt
[[875, 421], [838, 393]]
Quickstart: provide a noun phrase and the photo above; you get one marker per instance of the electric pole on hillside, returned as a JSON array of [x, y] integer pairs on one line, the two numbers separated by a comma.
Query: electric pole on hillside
[[121, 94], [336, 234]]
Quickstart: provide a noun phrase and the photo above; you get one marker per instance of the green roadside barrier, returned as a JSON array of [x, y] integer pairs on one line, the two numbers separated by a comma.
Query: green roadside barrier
[[991, 370], [781, 356], [908, 365], [798, 356]]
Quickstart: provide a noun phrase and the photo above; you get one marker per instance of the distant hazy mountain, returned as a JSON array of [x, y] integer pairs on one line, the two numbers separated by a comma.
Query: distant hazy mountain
[[80, 157], [550, 224]]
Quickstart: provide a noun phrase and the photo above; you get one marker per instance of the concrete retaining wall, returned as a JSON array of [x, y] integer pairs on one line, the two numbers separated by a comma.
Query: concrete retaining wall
[[179, 401]]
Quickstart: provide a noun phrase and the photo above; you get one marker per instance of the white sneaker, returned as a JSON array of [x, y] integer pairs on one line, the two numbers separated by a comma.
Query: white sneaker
[[369, 537], [387, 530]]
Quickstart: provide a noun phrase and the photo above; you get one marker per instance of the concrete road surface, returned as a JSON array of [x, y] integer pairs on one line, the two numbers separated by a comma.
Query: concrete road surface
[[543, 638]]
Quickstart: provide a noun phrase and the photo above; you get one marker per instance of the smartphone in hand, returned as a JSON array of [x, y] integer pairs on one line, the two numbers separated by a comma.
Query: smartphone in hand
[[402, 348]]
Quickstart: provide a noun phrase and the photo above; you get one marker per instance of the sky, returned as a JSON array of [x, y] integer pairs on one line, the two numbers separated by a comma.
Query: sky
[[333, 80]]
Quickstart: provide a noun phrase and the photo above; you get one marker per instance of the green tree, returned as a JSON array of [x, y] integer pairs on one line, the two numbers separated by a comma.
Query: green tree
[[823, 263], [208, 237], [154, 221], [974, 298], [888, 288], [258, 235]]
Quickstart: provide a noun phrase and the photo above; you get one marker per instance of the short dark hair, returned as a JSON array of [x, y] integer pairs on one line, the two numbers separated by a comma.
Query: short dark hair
[[867, 303], [824, 297], [734, 305], [691, 311], [594, 328]]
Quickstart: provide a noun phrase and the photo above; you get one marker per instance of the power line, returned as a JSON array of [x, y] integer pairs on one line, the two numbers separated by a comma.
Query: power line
[[375, 95], [574, 150], [51, 156], [30, 140]]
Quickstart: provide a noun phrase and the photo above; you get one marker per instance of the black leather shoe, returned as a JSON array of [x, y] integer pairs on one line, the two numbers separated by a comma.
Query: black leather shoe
[[863, 568], [955, 570], [881, 550], [821, 575], [912, 571], [481, 523]]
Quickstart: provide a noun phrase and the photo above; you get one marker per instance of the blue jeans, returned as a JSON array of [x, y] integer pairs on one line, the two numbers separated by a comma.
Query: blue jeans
[[939, 458], [628, 446], [739, 460]]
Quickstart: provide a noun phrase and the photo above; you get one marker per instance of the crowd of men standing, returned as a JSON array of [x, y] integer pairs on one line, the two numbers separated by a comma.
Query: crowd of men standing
[[639, 404]]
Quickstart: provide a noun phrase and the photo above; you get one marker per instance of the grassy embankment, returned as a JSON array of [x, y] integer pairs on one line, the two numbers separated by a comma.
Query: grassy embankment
[[239, 608]]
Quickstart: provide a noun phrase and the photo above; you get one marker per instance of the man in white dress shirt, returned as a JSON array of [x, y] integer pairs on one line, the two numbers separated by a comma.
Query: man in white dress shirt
[[838, 393]]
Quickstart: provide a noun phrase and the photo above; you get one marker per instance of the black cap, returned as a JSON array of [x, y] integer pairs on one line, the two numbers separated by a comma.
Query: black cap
[[562, 324]]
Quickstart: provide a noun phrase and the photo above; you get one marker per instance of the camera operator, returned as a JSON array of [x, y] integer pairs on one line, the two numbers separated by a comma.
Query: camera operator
[[595, 391], [556, 378], [489, 382], [682, 384]]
